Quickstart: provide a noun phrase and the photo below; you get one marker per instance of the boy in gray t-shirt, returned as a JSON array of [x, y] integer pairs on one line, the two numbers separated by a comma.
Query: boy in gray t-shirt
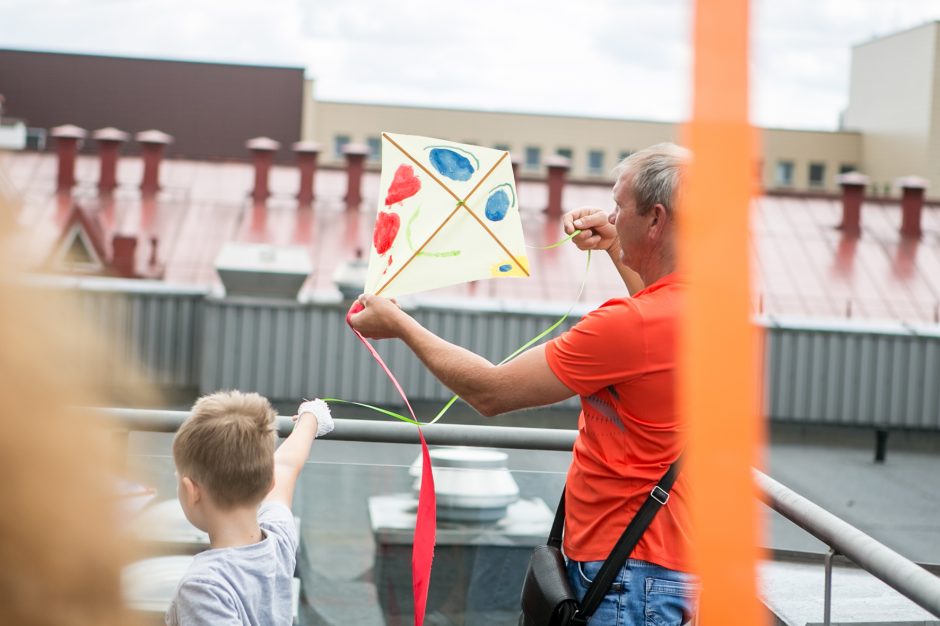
[[236, 487]]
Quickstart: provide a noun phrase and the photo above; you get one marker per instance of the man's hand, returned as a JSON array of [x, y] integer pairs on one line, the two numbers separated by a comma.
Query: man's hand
[[597, 233], [380, 319]]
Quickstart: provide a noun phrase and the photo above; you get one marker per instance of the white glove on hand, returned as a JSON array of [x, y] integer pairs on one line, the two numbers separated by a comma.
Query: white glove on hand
[[320, 410]]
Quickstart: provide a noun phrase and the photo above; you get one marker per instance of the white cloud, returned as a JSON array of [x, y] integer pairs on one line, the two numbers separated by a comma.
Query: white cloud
[[613, 58], [801, 52]]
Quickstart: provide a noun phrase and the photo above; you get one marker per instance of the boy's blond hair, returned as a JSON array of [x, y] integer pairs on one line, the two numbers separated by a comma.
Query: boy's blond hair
[[227, 446]]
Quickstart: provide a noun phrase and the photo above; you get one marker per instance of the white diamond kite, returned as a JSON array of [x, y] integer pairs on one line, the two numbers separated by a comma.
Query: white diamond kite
[[448, 213]]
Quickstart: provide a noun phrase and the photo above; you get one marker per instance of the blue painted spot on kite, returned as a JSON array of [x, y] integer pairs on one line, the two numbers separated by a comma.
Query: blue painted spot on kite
[[497, 205], [451, 164], [505, 268]]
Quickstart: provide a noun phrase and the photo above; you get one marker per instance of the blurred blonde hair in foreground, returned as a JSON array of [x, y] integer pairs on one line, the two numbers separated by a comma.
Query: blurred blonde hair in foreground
[[61, 550]]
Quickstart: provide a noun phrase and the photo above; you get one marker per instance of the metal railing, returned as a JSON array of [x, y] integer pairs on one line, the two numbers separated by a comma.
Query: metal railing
[[906, 577]]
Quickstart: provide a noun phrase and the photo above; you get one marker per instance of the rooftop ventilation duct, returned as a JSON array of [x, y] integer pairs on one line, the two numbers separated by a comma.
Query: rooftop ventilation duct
[[263, 270]]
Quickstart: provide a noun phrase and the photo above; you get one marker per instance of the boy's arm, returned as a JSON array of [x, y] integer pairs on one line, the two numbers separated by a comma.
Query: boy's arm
[[313, 420]]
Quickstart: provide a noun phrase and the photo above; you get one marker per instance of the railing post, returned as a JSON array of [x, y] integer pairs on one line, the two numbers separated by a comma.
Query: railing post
[[827, 591], [881, 445]]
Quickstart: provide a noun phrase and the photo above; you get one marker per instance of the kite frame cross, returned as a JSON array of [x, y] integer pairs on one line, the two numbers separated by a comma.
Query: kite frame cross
[[460, 203]]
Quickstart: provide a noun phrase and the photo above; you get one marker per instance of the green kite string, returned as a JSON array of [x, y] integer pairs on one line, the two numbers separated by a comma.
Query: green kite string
[[516, 353]]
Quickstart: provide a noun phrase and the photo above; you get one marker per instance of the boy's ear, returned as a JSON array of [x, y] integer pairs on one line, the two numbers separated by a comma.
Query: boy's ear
[[192, 490]]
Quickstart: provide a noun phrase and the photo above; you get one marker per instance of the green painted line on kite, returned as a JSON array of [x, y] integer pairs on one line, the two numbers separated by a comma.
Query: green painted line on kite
[[411, 220]]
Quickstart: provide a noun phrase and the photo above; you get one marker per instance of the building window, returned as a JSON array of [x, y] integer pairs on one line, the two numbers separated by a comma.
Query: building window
[[338, 144], [565, 152], [784, 174], [502, 146], [817, 174], [596, 162], [533, 157], [624, 154], [375, 148], [845, 168]]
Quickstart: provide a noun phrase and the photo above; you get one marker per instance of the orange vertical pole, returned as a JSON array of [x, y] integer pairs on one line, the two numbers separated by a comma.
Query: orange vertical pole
[[719, 365]]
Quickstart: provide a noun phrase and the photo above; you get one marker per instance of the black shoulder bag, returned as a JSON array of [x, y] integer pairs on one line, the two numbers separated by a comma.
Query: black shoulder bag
[[547, 598]]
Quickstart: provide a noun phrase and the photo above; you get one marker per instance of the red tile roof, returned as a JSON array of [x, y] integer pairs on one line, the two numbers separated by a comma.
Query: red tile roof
[[803, 264]]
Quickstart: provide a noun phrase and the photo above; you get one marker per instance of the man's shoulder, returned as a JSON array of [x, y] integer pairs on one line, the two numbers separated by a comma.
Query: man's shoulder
[[661, 299], [616, 309]]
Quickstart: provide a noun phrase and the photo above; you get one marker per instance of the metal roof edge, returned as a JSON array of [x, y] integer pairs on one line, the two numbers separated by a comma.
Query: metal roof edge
[[113, 285], [838, 325]]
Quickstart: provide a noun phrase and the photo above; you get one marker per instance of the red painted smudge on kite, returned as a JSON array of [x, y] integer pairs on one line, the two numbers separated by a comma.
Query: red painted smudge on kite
[[386, 229], [404, 185]]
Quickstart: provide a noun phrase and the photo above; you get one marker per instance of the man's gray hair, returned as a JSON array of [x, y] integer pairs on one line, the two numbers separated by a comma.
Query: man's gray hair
[[656, 175]]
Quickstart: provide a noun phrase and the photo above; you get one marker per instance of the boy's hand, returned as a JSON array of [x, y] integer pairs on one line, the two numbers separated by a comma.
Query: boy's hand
[[320, 411]]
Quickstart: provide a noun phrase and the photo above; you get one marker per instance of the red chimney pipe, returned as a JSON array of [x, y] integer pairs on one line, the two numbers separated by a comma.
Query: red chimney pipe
[[67, 141], [355, 164], [262, 155], [558, 166], [123, 255], [109, 145], [152, 144], [515, 160], [307, 152], [853, 193], [913, 189]]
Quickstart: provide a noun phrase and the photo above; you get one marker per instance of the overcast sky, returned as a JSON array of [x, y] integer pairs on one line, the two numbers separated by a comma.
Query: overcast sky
[[611, 58]]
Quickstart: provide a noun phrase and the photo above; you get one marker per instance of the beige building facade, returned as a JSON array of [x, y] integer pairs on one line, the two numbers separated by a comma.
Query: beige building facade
[[790, 159], [895, 103], [891, 128]]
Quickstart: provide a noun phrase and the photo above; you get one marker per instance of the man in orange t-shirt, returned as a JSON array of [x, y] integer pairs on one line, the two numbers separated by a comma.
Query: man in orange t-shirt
[[621, 360]]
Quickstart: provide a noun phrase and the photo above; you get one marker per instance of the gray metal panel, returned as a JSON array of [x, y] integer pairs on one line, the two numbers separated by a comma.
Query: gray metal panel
[[873, 377], [154, 332], [290, 350], [860, 375]]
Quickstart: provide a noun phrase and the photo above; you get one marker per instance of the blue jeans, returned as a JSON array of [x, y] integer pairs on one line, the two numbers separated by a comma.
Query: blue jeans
[[642, 594]]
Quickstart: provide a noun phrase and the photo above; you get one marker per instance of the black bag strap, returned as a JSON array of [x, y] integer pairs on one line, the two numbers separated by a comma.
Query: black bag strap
[[658, 496], [554, 536]]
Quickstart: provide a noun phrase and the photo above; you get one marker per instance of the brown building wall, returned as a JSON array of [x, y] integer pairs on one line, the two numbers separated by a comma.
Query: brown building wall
[[209, 108]]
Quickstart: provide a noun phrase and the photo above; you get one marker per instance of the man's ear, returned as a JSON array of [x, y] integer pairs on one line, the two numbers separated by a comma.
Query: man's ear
[[191, 490], [659, 217]]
